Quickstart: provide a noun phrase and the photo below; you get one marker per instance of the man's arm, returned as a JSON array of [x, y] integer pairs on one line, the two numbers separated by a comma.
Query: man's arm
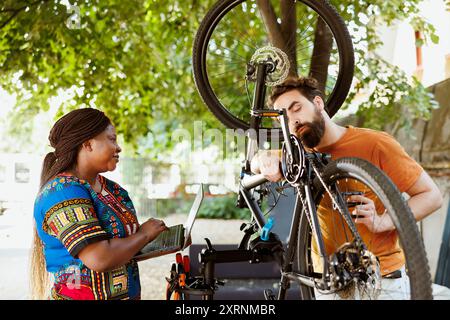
[[425, 197]]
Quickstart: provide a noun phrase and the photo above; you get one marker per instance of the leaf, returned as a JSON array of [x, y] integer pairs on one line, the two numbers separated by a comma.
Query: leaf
[[419, 42], [435, 38]]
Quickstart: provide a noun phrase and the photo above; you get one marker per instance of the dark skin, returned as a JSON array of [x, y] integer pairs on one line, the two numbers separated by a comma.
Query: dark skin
[[107, 255], [101, 154]]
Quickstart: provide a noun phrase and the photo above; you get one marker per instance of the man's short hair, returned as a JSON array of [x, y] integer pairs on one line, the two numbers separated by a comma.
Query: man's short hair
[[308, 87]]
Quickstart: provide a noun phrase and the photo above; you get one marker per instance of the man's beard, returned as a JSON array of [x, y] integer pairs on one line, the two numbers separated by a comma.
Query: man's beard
[[313, 131]]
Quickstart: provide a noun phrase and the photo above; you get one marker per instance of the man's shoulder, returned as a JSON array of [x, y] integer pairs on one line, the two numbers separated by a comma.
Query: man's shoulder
[[371, 135], [368, 131]]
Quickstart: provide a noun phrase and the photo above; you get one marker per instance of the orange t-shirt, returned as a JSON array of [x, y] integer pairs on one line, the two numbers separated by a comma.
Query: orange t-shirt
[[386, 153]]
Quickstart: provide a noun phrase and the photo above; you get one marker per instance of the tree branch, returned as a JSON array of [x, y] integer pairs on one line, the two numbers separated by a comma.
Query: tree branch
[[281, 36], [320, 59], [15, 12], [270, 21], [288, 30]]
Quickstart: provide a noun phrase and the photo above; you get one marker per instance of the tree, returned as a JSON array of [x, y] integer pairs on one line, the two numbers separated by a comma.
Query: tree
[[396, 99], [127, 58], [132, 59], [392, 86]]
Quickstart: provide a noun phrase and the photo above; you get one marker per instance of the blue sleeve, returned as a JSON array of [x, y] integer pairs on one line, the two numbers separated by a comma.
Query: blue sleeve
[[69, 215]]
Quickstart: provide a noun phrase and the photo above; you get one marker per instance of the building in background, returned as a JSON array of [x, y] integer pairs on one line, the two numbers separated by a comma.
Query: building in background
[[430, 62]]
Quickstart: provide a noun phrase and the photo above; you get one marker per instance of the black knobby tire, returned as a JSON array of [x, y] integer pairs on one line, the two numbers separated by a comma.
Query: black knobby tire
[[411, 242], [219, 10]]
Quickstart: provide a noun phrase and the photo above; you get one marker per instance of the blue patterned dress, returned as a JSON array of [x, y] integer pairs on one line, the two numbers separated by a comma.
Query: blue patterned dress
[[70, 215]]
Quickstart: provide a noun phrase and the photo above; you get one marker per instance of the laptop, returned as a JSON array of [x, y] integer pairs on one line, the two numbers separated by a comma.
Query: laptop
[[174, 239]]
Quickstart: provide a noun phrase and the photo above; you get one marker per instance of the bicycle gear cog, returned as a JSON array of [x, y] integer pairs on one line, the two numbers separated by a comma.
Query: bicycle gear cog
[[293, 168], [355, 272], [277, 59]]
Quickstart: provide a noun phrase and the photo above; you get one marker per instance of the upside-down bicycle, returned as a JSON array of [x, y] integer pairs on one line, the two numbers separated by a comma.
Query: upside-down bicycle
[[250, 45]]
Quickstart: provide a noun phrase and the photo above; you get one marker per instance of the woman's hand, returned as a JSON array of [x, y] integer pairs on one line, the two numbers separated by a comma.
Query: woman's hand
[[366, 214], [152, 228], [107, 255]]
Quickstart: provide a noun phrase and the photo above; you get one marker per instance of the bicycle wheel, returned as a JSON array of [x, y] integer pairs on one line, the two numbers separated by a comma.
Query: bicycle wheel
[[387, 251], [310, 32]]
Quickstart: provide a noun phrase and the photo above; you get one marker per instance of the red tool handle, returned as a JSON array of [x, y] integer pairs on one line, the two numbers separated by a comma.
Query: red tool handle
[[186, 264]]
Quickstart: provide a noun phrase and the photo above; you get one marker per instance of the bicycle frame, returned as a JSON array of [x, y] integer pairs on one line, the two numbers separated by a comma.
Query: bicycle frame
[[304, 207], [304, 204]]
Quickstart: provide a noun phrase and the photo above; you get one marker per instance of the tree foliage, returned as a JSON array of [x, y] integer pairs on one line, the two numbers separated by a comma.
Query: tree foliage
[[393, 98], [128, 58], [132, 59]]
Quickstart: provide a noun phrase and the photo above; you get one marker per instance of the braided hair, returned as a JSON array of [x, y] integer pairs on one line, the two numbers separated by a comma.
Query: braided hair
[[66, 137]]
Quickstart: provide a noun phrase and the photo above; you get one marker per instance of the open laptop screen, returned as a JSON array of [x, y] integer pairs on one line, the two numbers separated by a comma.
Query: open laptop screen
[[193, 213]]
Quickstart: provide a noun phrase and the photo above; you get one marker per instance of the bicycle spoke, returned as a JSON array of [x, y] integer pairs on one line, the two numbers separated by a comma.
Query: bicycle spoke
[[236, 98], [306, 37], [232, 36], [225, 72], [242, 61], [294, 34], [232, 85], [228, 64], [303, 48], [309, 58], [236, 54]]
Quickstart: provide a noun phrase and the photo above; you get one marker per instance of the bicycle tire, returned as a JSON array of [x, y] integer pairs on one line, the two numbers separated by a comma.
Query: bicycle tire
[[412, 245], [324, 10]]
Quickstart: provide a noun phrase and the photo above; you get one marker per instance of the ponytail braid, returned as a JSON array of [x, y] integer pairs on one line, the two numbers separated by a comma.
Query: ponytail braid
[[66, 137]]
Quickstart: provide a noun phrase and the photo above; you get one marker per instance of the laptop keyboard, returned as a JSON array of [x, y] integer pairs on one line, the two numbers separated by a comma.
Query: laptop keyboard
[[167, 240]]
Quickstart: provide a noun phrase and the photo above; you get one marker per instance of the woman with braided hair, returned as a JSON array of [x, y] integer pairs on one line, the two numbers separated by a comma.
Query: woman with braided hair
[[86, 229]]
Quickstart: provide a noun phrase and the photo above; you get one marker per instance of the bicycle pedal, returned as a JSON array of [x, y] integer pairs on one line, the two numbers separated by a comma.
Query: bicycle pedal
[[268, 294]]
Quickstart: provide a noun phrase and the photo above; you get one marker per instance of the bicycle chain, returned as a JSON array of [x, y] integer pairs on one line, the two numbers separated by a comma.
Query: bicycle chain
[[346, 218]]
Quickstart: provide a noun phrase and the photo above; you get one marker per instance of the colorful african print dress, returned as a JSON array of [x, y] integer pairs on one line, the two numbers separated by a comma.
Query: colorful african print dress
[[69, 216]]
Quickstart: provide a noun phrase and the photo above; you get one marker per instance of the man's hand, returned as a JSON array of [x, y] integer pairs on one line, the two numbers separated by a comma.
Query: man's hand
[[267, 162], [366, 214]]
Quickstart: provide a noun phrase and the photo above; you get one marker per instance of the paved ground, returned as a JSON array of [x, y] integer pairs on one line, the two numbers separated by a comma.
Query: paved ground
[[16, 237], [15, 241]]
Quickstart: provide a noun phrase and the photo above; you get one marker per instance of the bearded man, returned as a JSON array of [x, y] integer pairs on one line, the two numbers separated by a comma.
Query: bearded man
[[309, 121]]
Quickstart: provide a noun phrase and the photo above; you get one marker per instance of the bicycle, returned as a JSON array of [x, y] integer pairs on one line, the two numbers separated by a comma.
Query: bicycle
[[352, 269]]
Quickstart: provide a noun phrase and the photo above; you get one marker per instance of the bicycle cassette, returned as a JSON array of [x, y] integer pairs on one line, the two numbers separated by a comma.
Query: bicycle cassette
[[276, 59]]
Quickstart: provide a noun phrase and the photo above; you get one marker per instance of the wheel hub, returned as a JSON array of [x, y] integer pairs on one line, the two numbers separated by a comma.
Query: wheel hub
[[277, 60], [354, 268]]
